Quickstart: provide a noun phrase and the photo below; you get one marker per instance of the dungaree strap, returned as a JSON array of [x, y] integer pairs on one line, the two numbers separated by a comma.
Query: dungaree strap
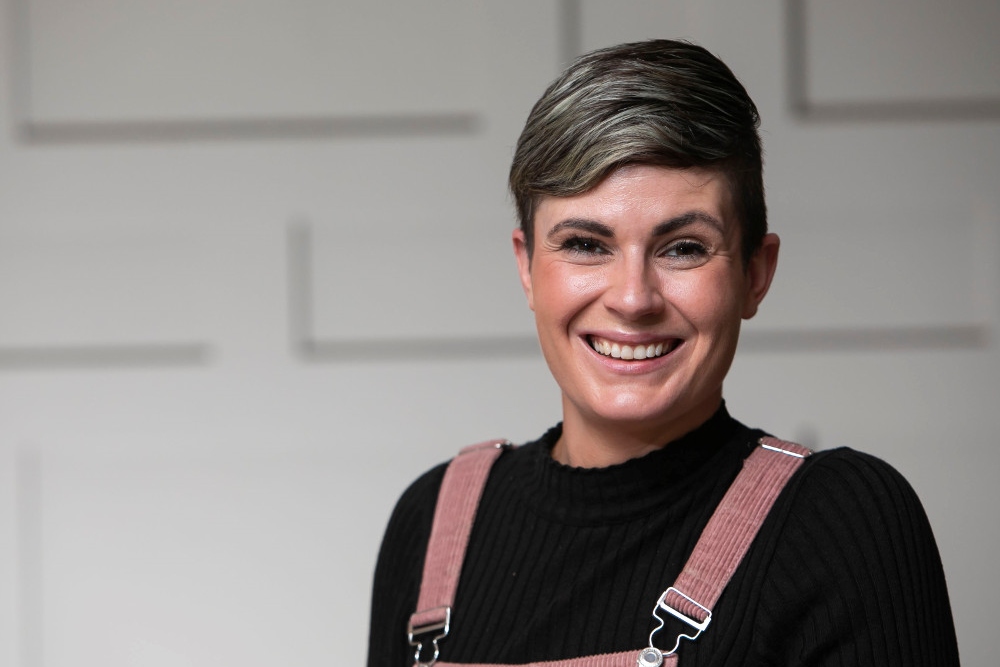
[[733, 526], [454, 515], [623, 659], [723, 543]]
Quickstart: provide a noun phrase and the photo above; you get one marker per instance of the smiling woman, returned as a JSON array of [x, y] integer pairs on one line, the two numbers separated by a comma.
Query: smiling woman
[[642, 246], [647, 260]]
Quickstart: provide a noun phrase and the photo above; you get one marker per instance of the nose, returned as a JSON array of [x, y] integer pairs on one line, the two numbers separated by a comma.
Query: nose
[[634, 289]]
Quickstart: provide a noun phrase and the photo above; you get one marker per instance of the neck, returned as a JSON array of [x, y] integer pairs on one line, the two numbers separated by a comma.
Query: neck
[[588, 443]]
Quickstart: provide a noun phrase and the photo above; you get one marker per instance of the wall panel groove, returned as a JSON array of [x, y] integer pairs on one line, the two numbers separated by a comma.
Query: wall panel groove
[[799, 61]]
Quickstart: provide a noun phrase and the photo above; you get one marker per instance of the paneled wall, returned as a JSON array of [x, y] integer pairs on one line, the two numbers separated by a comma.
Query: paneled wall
[[255, 276]]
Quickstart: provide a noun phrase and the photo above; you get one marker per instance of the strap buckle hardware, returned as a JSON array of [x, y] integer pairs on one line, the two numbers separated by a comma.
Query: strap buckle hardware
[[437, 628], [779, 450], [699, 626]]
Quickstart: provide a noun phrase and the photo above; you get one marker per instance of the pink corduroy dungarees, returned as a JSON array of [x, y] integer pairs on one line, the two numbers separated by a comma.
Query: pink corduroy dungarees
[[722, 545]]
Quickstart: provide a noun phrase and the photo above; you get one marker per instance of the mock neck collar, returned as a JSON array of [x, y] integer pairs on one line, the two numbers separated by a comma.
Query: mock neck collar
[[623, 491]]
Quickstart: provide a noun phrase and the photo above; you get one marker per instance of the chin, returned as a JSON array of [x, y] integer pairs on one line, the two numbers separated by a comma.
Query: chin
[[669, 414], [632, 412]]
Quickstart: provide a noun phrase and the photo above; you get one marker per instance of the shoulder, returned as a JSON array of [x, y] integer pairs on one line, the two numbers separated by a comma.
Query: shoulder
[[397, 571], [414, 511], [856, 504], [412, 517], [849, 506], [850, 465], [854, 486], [402, 551], [852, 569]]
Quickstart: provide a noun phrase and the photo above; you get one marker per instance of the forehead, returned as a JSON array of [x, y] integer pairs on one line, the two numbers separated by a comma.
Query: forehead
[[637, 194]]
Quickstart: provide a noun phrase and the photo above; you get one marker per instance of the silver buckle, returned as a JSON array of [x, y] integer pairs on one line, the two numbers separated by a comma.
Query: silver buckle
[[699, 626], [440, 627]]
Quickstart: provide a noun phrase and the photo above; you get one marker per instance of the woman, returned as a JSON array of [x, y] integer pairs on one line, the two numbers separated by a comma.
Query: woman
[[642, 246]]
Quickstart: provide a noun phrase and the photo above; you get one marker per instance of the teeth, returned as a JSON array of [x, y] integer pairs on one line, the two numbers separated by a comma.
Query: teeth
[[630, 352]]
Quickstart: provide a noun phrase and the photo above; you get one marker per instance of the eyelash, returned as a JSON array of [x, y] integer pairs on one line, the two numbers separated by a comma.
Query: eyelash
[[583, 245], [686, 248], [588, 246]]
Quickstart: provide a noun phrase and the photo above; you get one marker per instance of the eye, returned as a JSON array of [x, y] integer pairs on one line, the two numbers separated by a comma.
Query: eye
[[583, 245], [686, 249]]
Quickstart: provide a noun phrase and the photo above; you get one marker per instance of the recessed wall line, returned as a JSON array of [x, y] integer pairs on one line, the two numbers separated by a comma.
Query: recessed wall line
[[306, 345], [570, 31], [28, 515], [249, 129], [868, 339], [32, 131], [85, 357], [916, 110]]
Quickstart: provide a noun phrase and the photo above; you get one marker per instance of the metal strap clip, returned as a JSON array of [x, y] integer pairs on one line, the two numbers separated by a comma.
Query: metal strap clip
[[779, 450], [438, 628], [699, 626]]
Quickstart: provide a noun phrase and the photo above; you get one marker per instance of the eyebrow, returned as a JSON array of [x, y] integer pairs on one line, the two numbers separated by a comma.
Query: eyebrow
[[688, 218], [583, 225], [663, 228]]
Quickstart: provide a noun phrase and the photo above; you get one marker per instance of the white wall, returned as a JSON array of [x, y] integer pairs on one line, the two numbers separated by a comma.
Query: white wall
[[255, 277]]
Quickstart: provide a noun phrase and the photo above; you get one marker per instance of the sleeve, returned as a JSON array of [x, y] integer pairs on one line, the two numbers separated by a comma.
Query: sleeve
[[856, 579], [398, 571]]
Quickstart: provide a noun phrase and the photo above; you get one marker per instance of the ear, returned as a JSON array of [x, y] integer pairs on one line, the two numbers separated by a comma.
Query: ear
[[523, 264], [759, 273]]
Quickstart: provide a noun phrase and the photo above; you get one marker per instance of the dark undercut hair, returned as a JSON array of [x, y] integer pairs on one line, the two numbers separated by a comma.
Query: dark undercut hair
[[660, 102]]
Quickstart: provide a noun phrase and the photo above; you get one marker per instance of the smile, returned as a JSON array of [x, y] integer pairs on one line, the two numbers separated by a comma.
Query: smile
[[630, 352]]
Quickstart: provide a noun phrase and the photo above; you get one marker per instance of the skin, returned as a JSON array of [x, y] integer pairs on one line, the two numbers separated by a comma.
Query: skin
[[649, 256]]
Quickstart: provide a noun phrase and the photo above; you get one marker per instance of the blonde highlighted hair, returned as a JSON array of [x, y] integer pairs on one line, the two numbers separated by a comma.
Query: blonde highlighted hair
[[660, 102]]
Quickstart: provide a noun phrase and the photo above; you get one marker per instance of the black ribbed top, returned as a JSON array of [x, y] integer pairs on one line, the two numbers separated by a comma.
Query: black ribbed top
[[564, 562]]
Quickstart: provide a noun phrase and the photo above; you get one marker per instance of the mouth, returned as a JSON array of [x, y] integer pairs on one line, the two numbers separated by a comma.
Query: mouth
[[632, 351]]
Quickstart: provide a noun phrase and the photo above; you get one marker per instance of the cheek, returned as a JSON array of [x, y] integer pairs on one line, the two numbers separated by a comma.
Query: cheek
[[584, 285], [561, 289], [708, 301]]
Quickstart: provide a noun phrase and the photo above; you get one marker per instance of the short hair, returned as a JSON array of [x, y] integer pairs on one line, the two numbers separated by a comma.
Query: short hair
[[659, 102]]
